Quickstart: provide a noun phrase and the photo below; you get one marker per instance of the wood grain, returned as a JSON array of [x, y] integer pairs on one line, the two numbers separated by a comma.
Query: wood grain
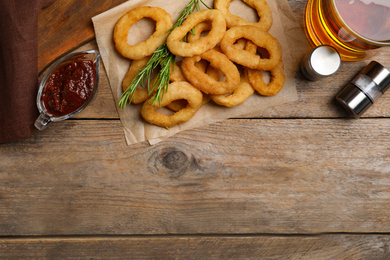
[[65, 25], [252, 247], [238, 176], [310, 183]]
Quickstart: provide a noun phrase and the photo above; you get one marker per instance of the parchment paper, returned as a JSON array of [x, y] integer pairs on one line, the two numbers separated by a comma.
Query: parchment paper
[[284, 28]]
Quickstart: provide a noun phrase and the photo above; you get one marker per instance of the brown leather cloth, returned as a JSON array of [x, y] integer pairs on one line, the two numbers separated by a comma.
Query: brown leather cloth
[[18, 67]]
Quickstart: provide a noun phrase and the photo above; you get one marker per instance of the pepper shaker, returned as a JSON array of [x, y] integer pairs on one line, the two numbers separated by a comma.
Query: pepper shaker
[[364, 89]]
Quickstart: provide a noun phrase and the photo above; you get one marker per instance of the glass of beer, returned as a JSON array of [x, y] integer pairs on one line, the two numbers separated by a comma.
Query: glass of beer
[[356, 28]]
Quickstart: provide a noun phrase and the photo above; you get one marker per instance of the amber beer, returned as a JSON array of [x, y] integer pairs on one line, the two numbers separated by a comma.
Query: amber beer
[[354, 27]]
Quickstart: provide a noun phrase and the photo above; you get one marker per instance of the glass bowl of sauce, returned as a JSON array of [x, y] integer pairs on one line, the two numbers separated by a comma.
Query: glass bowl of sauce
[[68, 87]]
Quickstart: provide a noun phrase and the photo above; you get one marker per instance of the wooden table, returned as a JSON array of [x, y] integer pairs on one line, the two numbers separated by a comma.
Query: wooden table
[[299, 181]]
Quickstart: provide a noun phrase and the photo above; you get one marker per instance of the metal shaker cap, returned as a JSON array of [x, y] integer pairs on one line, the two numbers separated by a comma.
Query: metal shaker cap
[[321, 62], [364, 89]]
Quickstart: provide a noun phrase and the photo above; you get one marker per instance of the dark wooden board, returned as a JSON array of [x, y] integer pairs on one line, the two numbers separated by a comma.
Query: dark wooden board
[[329, 246], [64, 25]]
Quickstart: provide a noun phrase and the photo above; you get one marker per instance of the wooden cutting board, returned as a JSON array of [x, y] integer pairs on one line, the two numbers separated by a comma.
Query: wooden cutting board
[[66, 24]]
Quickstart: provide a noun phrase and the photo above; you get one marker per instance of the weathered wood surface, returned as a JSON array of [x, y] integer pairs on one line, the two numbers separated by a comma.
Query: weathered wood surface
[[299, 181], [277, 176], [334, 247]]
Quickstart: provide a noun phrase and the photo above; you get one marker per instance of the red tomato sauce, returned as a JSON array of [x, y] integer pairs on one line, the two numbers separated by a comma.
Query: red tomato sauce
[[69, 87]]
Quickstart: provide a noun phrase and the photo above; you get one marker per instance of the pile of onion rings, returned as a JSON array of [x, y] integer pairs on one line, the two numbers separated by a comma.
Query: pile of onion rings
[[223, 59]]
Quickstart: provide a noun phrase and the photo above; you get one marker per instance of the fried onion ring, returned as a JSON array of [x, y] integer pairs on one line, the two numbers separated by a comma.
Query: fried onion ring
[[256, 79], [274, 86], [260, 38], [185, 49], [176, 73], [261, 6], [180, 104], [177, 105], [195, 34], [177, 76], [204, 82], [176, 91], [140, 50], [238, 96]]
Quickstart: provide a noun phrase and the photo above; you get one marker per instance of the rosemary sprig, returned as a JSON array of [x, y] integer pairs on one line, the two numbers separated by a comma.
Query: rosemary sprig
[[161, 57], [193, 6]]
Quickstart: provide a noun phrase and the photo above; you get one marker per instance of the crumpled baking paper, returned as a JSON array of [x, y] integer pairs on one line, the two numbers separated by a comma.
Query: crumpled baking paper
[[285, 28]]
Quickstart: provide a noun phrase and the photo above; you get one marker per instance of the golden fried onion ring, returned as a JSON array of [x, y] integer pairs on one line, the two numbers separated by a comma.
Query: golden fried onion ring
[[180, 104], [204, 82], [195, 34], [146, 48], [274, 86], [185, 49], [176, 73], [238, 96], [177, 76], [261, 6], [176, 91], [256, 79], [260, 38]]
